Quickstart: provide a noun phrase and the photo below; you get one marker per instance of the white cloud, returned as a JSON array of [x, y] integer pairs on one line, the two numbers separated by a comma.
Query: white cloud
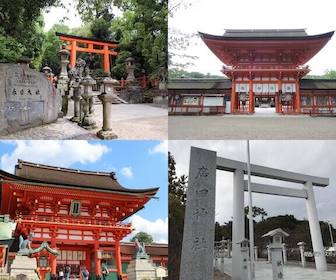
[[127, 172], [158, 229], [161, 148], [58, 153], [317, 158]]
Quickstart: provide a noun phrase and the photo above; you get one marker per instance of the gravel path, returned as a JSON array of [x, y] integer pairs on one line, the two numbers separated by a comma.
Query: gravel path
[[130, 121], [251, 127]]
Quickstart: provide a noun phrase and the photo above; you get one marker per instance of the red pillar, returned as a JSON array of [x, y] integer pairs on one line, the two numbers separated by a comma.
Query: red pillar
[[53, 263], [278, 97], [251, 97], [118, 257], [233, 96], [106, 60], [73, 54], [97, 260], [297, 97]]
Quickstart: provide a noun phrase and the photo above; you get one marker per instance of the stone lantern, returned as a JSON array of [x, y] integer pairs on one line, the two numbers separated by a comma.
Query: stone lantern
[[63, 80], [106, 98], [302, 248], [87, 121], [130, 67], [276, 246], [64, 57], [245, 254]]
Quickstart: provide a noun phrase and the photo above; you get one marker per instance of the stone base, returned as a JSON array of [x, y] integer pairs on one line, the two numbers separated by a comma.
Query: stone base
[[106, 134], [23, 265], [139, 269], [75, 119]]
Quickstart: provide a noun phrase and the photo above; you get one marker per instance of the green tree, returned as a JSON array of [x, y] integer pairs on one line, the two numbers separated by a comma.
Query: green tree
[[22, 26], [177, 198], [142, 33], [143, 237], [256, 211], [329, 74], [52, 46]]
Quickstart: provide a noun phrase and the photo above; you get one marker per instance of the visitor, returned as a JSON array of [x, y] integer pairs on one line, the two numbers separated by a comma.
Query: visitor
[[85, 274], [67, 272], [61, 274], [104, 270]]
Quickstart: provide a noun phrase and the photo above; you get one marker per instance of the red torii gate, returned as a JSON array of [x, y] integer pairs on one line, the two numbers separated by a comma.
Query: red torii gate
[[103, 47]]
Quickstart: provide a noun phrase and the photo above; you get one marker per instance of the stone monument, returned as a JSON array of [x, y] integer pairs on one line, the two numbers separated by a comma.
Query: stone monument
[[27, 98], [141, 266], [198, 237]]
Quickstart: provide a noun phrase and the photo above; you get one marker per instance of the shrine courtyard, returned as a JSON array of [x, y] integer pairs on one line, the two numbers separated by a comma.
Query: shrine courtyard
[[292, 271], [258, 126], [130, 121]]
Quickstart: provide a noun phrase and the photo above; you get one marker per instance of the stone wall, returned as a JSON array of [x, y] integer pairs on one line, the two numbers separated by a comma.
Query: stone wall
[[27, 98]]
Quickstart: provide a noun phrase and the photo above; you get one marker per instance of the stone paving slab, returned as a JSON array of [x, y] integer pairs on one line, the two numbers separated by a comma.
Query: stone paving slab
[[251, 127], [130, 121], [291, 272]]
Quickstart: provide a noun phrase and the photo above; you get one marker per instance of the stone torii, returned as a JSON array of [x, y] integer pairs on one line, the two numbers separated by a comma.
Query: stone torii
[[197, 247]]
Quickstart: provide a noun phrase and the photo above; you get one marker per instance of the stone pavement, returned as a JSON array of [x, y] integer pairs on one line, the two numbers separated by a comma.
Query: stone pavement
[[291, 272], [251, 127], [130, 121]]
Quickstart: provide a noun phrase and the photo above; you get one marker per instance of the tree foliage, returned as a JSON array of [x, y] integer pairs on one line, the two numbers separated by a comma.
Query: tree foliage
[[142, 33], [180, 73], [298, 230], [143, 237], [22, 29], [256, 211], [177, 198]]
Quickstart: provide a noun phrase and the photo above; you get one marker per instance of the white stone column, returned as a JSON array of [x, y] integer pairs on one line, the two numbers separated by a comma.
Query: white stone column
[[284, 253], [268, 253], [238, 228], [277, 265], [315, 230], [302, 256], [256, 253]]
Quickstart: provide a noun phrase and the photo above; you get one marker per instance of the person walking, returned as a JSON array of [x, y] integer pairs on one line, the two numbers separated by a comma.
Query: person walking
[[85, 274]]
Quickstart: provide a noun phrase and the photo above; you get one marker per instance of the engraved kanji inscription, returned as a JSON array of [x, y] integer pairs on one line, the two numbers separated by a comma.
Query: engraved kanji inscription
[[200, 213]]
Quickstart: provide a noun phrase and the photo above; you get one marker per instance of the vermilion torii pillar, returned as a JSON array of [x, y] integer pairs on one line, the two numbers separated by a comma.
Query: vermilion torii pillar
[[89, 45]]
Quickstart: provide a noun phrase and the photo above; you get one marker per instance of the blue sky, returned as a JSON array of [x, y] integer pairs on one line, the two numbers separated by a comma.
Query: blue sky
[[138, 164]]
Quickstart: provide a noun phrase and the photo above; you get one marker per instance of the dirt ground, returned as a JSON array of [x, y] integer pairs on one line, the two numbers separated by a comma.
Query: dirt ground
[[221, 276]]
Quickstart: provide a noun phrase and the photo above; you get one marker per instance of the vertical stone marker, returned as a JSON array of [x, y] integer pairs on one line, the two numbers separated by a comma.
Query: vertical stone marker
[[199, 223]]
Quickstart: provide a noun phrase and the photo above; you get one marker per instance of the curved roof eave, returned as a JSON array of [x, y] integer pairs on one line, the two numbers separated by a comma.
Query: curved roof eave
[[327, 36], [15, 178]]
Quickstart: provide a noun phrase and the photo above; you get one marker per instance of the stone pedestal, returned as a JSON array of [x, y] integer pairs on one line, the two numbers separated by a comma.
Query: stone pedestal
[[302, 256], [107, 98], [139, 269], [76, 98], [23, 265]]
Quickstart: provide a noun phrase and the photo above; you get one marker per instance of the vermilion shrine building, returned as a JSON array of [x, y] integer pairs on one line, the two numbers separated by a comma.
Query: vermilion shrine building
[[263, 67], [79, 213]]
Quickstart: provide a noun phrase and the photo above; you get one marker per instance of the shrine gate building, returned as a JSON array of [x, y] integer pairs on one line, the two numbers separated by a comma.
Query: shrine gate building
[[79, 213], [264, 67]]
